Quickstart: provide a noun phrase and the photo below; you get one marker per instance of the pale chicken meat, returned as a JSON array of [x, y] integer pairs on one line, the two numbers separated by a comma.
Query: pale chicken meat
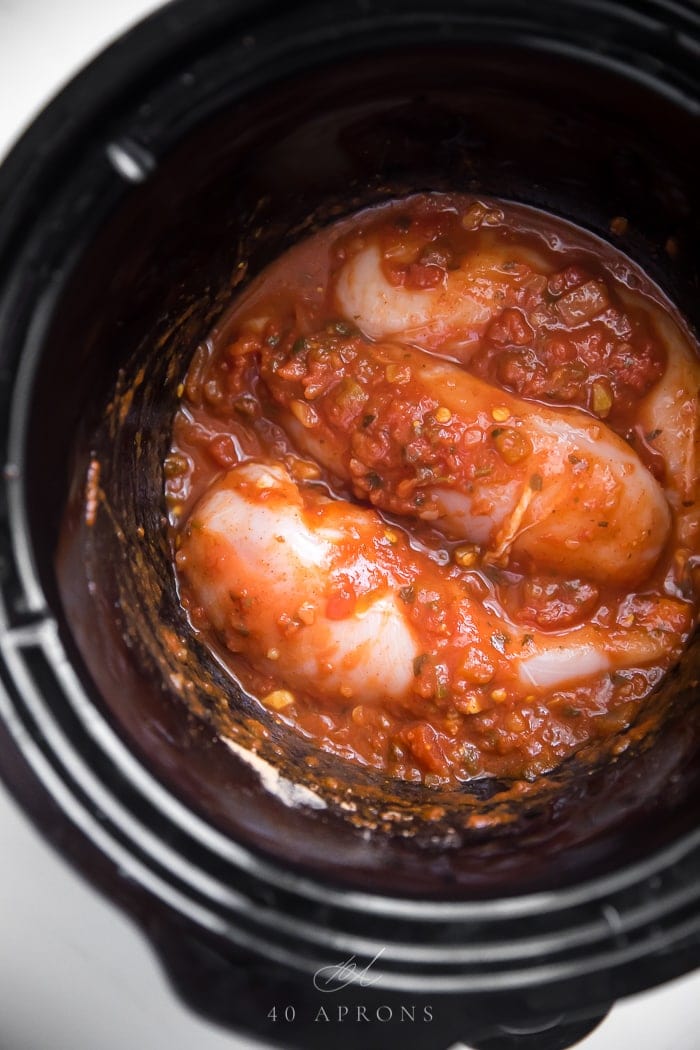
[[450, 316], [286, 575], [422, 437]]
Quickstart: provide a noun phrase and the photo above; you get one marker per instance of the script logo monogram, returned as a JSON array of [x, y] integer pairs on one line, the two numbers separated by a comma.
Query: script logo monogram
[[333, 978]]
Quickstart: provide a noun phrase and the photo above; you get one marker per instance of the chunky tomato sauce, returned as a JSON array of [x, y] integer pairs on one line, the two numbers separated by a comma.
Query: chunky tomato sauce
[[433, 489]]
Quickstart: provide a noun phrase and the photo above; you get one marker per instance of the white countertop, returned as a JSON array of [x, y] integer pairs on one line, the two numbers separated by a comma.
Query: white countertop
[[75, 974]]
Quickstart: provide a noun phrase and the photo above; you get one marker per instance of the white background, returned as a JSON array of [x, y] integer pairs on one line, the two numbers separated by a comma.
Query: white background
[[74, 973]]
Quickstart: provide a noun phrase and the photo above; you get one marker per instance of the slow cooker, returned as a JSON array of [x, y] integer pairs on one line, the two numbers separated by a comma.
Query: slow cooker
[[160, 180]]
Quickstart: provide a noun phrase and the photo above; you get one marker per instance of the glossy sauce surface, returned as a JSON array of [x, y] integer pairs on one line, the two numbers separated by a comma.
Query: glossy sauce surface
[[433, 489]]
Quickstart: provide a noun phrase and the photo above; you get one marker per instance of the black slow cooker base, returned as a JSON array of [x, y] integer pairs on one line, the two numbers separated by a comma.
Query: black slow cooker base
[[306, 130], [239, 989]]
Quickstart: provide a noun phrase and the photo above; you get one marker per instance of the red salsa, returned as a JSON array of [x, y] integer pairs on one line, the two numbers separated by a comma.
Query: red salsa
[[479, 425]]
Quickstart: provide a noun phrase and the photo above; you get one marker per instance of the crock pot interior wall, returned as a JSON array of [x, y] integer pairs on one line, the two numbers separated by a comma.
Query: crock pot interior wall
[[236, 180]]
